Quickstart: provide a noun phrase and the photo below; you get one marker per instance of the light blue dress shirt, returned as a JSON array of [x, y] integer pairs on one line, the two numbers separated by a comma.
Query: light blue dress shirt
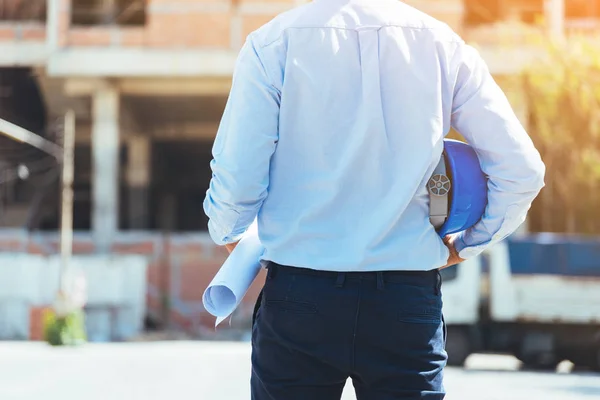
[[335, 122]]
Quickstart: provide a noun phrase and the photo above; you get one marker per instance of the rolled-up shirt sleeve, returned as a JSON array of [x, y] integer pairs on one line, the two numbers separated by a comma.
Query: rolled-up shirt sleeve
[[483, 115], [245, 141]]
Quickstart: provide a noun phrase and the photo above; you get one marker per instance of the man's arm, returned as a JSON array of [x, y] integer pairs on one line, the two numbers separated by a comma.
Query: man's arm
[[483, 115], [242, 151]]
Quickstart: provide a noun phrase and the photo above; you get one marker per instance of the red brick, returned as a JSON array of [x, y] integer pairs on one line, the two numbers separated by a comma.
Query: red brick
[[218, 253], [7, 34], [154, 304], [89, 37], [33, 33], [195, 277], [250, 23], [35, 248], [83, 247], [186, 247], [194, 29], [197, 261], [180, 321], [36, 322], [146, 247], [154, 274], [133, 37], [221, 252], [11, 245], [291, 3], [186, 1]]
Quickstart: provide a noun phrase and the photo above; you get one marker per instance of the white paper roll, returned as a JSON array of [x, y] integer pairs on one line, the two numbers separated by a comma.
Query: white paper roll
[[234, 278]]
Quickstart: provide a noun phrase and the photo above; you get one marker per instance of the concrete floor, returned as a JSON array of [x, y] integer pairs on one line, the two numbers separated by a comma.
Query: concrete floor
[[220, 371]]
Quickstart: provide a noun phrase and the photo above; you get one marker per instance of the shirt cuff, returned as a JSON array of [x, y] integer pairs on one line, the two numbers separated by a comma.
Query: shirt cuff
[[466, 252], [222, 237]]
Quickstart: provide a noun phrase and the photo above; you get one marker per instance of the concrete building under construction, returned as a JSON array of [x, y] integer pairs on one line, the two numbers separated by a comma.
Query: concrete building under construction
[[148, 81]]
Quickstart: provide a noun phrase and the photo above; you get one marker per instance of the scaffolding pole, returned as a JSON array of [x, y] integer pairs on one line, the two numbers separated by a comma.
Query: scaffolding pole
[[24, 136]]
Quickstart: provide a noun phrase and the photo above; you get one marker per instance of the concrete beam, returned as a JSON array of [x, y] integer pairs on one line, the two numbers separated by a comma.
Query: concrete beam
[[179, 132], [83, 87], [211, 68], [190, 131], [140, 62], [20, 53], [57, 103], [177, 87], [153, 87]]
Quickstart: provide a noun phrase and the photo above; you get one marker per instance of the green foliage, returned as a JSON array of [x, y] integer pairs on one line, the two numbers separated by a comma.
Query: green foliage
[[562, 96], [66, 330]]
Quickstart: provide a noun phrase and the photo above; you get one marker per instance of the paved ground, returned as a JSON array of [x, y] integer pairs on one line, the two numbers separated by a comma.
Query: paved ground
[[219, 371]]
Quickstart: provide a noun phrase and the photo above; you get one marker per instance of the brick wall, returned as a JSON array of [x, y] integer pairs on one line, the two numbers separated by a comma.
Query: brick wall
[[22, 31], [180, 267], [212, 24], [207, 24]]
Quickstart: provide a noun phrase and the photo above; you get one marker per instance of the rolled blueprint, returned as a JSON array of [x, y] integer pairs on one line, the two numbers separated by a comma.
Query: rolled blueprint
[[232, 281]]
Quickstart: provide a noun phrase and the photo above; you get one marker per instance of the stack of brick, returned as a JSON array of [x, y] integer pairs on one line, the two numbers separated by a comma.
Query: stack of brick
[[115, 303], [179, 268]]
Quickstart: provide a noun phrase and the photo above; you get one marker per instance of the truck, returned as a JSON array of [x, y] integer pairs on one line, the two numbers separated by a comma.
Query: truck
[[534, 296]]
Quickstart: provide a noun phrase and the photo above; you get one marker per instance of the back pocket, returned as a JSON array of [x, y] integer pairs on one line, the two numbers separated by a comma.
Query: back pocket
[[423, 310], [420, 316]]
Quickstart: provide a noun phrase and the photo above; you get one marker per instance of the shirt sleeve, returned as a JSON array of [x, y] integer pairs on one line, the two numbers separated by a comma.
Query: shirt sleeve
[[482, 114], [245, 141]]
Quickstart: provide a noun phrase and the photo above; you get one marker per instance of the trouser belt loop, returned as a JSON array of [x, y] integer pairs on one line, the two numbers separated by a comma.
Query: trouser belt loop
[[380, 284], [341, 278]]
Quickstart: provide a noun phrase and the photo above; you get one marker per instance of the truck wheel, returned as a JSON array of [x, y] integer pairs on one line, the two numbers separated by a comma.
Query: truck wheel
[[458, 346], [595, 365], [590, 359], [538, 361]]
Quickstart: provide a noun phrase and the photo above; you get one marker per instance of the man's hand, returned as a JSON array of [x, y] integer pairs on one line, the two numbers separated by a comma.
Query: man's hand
[[231, 246], [453, 258]]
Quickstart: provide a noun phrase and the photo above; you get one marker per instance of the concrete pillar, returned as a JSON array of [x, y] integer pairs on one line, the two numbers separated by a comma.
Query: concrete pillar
[[554, 11], [105, 166], [52, 23], [138, 180]]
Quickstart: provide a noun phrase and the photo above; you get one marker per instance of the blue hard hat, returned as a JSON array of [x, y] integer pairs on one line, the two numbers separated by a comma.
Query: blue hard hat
[[459, 188]]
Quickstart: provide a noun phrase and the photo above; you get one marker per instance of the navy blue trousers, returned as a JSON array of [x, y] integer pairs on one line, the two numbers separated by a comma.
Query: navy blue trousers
[[313, 330]]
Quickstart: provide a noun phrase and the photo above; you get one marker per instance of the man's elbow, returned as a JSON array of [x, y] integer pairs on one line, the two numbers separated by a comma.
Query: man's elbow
[[532, 174], [538, 173], [526, 178]]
